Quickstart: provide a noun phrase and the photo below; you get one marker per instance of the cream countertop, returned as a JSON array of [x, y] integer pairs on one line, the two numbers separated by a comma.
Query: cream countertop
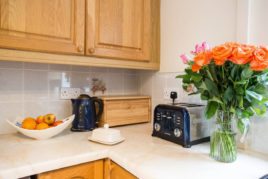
[[145, 156]]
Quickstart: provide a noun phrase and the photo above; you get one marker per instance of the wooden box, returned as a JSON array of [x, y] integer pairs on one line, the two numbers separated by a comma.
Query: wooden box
[[123, 110]]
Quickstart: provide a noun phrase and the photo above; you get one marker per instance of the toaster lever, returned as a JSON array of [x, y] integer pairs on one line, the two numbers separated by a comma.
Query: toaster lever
[[173, 96]]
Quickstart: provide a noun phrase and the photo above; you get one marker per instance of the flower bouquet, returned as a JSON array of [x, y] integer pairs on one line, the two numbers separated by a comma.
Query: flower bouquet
[[233, 79]]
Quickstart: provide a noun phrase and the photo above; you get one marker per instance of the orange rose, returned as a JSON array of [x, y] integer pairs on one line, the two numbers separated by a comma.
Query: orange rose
[[260, 59], [232, 44], [202, 58], [242, 54], [195, 68], [221, 53]]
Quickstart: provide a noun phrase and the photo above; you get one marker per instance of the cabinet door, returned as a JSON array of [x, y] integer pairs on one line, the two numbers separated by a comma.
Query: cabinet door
[[114, 171], [92, 170], [43, 25], [119, 29]]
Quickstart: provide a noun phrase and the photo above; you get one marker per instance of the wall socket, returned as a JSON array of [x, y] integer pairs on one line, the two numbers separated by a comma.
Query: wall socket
[[69, 93], [167, 92]]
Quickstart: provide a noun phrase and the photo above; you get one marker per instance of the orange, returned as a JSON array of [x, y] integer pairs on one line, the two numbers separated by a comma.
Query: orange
[[28, 123], [41, 126]]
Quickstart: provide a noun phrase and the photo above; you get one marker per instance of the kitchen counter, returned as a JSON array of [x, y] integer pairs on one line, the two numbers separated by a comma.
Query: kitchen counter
[[144, 156]]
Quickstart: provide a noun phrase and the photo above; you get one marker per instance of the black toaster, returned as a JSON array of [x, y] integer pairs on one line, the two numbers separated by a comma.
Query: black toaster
[[181, 123]]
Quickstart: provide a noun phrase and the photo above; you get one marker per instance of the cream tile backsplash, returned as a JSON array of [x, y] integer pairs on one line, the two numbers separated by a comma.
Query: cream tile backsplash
[[154, 84], [31, 89]]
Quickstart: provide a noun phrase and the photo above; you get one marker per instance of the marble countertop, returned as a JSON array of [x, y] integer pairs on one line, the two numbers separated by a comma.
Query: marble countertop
[[145, 156]]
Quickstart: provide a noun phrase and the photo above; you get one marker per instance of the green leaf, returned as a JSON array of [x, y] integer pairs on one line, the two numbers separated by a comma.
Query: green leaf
[[211, 109], [216, 99], [203, 86], [196, 77], [185, 86], [180, 76], [234, 71], [232, 109], [188, 70], [254, 95], [211, 86], [213, 72], [205, 95], [244, 113], [259, 110], [243, 82], [239, 90], [260, 88], [240, 101], [246, 73], [228, 94], [262, 78], [186, 79]]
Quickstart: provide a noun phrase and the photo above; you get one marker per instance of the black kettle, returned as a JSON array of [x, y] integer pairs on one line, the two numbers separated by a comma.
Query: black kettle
[[84, 109]]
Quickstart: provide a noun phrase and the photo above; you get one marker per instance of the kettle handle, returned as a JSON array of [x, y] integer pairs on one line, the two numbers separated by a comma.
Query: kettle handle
[[100, 103]]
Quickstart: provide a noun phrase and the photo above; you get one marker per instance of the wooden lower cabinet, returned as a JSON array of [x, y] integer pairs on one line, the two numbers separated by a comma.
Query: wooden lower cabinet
[[99, 169], [91, 170], [115, 171]]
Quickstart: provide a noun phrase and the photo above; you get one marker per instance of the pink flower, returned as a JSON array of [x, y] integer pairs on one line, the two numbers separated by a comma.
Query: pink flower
[[205, 46], [185, 59], [200, 48]]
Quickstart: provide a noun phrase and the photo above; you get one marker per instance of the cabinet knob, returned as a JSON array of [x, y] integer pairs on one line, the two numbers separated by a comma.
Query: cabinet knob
[[91, 50], [80, 48]]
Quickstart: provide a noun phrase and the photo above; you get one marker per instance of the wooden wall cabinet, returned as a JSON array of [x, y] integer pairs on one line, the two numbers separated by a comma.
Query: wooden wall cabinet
[[43, 25], [124, 33], [119, 29]]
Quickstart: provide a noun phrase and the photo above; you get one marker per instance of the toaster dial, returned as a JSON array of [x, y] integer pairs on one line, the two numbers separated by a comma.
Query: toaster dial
[[177, 132], [157, 127]]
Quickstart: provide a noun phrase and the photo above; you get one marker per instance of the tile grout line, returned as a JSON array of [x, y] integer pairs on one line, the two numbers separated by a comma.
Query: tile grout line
[[48, 91], [23, 90], [124, 79]]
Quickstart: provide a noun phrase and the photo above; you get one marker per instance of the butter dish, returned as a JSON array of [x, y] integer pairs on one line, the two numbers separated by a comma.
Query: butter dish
[[106, 135]]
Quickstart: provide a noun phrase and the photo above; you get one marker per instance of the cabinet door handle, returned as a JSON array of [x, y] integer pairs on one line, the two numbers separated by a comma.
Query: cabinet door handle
[[91, 50], [80, 48]]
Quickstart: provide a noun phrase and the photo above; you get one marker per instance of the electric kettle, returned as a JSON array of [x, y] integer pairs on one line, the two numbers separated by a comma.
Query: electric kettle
[[84, 109]]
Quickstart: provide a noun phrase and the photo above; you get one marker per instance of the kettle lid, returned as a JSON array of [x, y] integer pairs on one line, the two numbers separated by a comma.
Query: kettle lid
[[84, 96]]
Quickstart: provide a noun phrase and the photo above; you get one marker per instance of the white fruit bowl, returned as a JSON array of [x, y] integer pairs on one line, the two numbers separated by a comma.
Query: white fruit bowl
[[42, 134]]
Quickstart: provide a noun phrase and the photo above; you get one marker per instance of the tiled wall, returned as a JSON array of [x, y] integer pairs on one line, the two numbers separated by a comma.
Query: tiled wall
[[31, 89], [154, 84]]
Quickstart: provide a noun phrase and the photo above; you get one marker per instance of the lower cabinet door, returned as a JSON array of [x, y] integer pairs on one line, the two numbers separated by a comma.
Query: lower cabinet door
[[116, 172], [91, 170]]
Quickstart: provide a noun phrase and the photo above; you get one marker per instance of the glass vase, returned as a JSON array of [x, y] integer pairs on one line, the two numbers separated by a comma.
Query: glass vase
[[222, 142]]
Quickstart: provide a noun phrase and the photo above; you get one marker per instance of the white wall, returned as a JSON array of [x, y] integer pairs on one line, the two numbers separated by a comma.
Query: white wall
[[258, 35], [258, 22], [187, 22]]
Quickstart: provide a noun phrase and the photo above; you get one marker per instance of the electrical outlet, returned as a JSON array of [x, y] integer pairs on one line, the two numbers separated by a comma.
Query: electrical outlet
[[69, 93], [167, 92]]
